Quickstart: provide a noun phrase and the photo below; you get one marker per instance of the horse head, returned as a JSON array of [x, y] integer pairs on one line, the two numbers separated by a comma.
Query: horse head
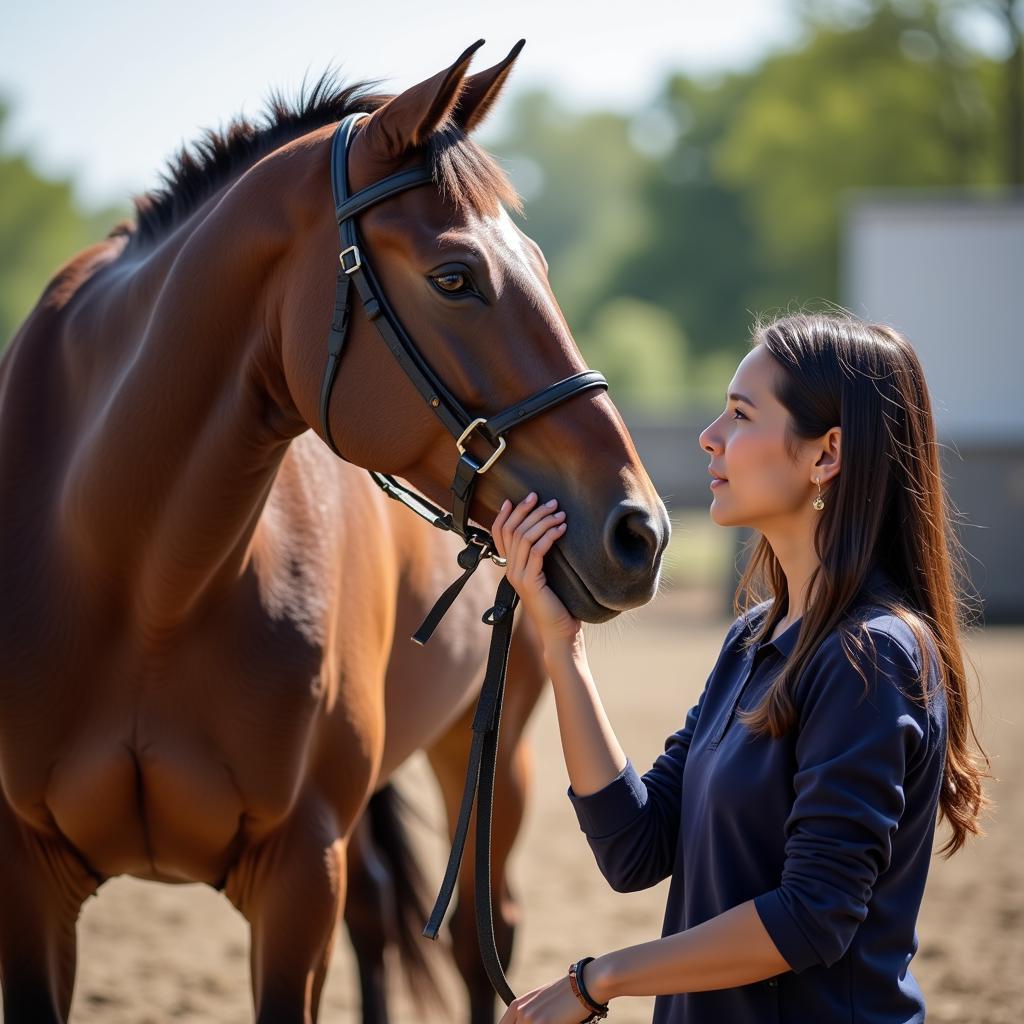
[[472, 291]]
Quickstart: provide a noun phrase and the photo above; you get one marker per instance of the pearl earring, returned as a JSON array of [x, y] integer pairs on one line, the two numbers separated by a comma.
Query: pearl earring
[[819, 502]]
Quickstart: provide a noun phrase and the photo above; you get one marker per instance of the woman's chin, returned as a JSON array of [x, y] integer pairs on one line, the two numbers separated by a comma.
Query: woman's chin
[[719, 516], [722, 516]]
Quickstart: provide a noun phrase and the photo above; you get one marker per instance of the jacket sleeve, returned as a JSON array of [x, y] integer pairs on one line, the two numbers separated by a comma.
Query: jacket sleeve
[[855, 745], [632, 825]]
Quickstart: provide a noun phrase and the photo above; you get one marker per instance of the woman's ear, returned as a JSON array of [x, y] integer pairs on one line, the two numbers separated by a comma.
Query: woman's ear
[[829, 451]]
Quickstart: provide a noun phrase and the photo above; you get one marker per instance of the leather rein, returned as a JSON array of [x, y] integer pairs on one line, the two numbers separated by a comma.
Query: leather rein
[[355, 269]]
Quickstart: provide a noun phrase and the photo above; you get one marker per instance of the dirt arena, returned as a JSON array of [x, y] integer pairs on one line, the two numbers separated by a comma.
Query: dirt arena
[[152, 953]]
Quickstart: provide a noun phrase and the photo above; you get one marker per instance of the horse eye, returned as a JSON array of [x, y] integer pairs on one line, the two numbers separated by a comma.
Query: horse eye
[[452, 282]]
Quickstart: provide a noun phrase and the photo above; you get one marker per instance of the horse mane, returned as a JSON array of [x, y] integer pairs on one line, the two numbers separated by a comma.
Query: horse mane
[[462, 170]]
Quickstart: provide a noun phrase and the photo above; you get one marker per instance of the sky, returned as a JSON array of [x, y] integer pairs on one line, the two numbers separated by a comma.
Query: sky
[[103, 92]]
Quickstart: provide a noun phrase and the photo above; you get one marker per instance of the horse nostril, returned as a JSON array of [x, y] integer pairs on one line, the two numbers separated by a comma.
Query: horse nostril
[[632, 537]]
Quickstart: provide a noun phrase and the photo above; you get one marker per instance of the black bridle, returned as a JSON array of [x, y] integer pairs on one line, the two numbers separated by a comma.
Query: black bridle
[[354, 268]]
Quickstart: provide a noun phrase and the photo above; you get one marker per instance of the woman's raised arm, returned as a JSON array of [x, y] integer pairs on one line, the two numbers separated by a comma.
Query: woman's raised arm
[[523, 535]]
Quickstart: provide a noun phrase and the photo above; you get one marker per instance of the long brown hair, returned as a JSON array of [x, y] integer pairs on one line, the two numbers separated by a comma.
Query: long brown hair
[[887, 508]]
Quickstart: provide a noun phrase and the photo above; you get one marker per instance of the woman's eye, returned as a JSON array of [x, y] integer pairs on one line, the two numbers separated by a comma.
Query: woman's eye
[[737, 415], [451, 282]]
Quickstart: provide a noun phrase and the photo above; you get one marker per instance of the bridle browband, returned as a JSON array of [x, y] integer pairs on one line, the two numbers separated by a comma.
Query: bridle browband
[[354, 269]]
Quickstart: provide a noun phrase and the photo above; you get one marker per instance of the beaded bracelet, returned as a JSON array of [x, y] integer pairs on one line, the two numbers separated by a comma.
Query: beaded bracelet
[[596, 1010]]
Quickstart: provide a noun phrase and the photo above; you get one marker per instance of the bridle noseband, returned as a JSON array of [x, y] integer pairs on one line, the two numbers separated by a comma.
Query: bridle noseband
[[354, 268]]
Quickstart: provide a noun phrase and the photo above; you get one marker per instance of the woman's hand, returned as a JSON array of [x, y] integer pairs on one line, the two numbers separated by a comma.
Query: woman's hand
[[523, 535], [552, 1004]]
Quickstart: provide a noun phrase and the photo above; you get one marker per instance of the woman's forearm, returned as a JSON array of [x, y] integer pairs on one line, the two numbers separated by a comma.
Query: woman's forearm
[[592, 753], [729, 950]]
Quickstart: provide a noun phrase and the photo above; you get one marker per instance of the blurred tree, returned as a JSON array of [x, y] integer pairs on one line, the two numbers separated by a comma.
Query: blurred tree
[[1012, 13], [701, 257], [642, 351], [723, 199], [893, 100], [959, 19], [1009, 17], [41, 228], [581, 179]]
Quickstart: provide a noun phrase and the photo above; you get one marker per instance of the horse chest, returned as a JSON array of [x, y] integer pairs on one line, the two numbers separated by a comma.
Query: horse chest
[[165, 765]]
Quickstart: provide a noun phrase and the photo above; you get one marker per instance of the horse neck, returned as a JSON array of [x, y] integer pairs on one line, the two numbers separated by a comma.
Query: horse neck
[[169, 477]]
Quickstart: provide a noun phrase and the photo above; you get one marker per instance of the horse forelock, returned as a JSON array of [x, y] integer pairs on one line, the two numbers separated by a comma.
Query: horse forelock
[[467, 174], [463, 171]]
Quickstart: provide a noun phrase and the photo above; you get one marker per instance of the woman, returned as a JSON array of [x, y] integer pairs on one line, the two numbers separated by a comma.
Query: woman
[[795, 809]]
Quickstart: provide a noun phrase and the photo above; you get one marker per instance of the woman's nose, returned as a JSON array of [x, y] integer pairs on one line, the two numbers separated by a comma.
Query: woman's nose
[[707, 439]]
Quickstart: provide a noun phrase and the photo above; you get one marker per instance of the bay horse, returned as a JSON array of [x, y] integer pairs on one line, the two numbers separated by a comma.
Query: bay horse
[[204, 670]]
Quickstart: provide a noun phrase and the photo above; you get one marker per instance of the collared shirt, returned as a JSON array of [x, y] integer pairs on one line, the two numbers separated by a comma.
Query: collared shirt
[[828, 829]]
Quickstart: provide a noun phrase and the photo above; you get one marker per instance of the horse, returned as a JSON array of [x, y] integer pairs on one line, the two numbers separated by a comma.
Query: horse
[[204, 670]]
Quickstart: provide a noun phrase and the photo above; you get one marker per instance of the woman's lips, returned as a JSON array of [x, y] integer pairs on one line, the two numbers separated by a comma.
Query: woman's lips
[[717, 482]]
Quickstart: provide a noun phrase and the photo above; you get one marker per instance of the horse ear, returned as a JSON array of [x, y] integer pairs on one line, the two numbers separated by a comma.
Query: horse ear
[[410, 118], [481, 90]]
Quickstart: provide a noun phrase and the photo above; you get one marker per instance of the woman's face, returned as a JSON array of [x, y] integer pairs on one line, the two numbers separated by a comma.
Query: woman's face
[[763, 487]]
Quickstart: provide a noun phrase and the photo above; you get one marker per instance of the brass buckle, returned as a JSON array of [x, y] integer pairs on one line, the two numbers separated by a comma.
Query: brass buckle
[[357, 258], [461, 444]]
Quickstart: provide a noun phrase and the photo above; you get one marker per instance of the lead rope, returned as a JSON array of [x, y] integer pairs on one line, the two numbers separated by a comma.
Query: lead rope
[[483, 752], [479, 789]]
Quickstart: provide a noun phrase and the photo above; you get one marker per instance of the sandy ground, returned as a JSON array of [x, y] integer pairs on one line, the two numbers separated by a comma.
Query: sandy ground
[[152, 953]]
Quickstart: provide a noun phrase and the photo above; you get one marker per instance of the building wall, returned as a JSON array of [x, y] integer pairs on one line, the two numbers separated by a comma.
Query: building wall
[[947, 269]]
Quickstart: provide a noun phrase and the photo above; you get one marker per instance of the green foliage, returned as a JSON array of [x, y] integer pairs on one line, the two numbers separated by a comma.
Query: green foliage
[[889, 104], [585, 210], [640, 348], [735, 210], [41, 227]]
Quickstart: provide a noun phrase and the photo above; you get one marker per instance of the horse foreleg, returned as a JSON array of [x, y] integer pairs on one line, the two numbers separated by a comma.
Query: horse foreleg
[[448, 757], [43, 885], [290, 888], [369, 910]]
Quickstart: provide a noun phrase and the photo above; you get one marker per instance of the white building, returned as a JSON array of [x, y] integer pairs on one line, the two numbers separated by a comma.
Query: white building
[[947, 269]]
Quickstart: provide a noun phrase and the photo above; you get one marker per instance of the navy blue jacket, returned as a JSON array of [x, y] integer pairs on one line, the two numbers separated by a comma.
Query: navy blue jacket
[[828, 829]]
